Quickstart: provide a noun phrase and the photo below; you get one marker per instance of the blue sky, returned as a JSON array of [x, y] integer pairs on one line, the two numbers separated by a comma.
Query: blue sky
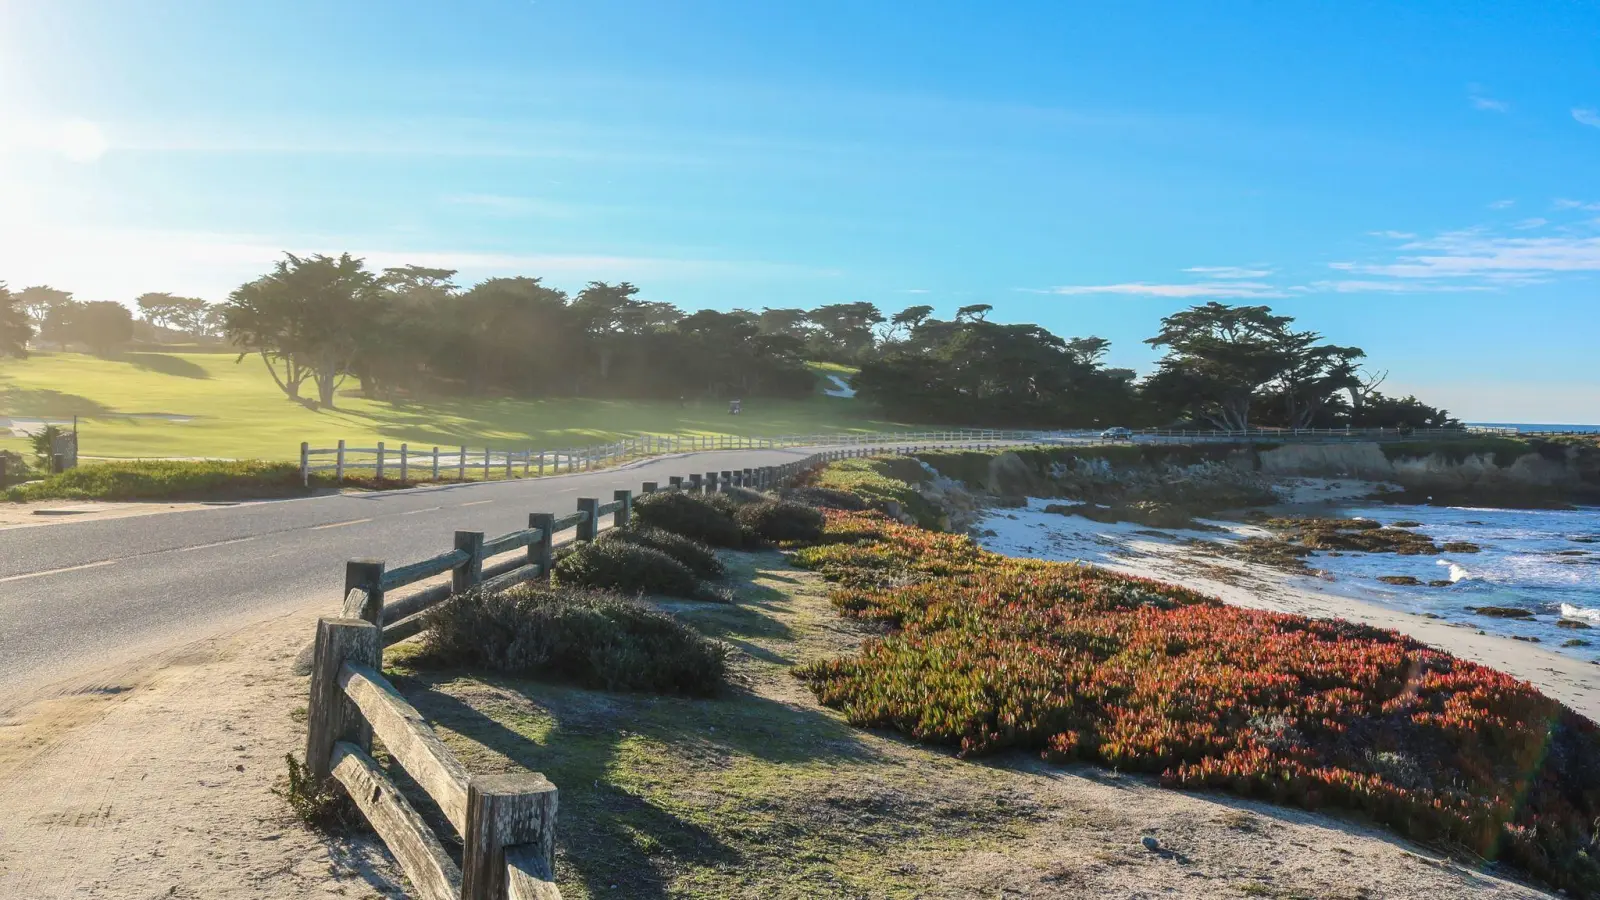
[[1418, 179]]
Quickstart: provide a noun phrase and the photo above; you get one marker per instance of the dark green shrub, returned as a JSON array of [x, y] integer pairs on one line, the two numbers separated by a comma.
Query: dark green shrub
[[826, 498], [782, 520], [699, 558], [621, 566], [735, 497], [690, 515], [591, 638]]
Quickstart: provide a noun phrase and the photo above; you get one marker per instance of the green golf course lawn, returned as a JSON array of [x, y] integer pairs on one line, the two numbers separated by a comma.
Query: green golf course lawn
[[237, 412]]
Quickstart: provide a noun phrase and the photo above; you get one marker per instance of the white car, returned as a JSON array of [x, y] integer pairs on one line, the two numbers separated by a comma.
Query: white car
[[1117, 434]]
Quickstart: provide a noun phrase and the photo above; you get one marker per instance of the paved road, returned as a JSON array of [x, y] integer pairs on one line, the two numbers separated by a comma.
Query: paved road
[[79, 595]]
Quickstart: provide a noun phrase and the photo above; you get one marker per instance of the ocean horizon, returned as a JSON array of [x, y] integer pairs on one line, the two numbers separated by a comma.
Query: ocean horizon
[[1525, 426]]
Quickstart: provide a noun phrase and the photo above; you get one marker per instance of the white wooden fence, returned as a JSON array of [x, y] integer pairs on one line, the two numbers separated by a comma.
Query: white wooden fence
[[407, 464]]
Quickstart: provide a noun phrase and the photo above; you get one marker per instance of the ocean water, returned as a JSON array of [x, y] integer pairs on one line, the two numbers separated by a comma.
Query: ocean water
[[1524, 426], [1544, 561]]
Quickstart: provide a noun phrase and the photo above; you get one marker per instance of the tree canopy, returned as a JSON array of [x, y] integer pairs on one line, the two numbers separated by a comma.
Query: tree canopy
[[15, 329]]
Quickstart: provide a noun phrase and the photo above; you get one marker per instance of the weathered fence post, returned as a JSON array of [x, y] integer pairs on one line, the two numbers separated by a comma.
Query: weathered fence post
[[461, 465], [435, 464], [619, 519], [405, 462], [725, 480], [379, 476], [338, 464], [540, 552], [330, 715], [675, 482], [711, 484], [590, 526], [649, 487], [365, 575], [486, 464], [508, 465], [748, 478], [527, 462], [694, 482], [469, 574], [305, 466], [505, 811]]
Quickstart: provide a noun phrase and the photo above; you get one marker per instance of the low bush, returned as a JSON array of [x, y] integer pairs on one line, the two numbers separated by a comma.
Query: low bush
[[589, 638], [699, 558], [690, 515], [735, 497], [879, 481], [782, 520], [825, 498], [623, 566], [166, 480], [988, 653]]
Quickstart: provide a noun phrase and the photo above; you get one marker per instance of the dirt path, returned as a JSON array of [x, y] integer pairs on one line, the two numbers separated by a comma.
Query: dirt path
[[156, 784]]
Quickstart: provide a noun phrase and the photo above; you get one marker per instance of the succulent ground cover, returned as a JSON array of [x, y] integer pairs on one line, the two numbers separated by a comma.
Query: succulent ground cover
[[986, 653]]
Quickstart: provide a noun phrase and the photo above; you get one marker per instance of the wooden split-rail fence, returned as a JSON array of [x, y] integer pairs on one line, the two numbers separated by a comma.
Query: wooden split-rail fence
[[506, 822]]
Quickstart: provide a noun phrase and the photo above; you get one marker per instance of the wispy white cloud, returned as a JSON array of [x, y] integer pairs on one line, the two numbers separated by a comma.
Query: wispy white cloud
[[1393, 235], [1566, 203], [1481, 100], [1587, 116], [1359, 286], [1487, 258], [1207, 290], [1502, 204], [1230, 273], [1534, 222], [914, 291]]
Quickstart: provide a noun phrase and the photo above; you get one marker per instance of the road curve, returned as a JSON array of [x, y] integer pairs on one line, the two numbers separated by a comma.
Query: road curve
[[76, 596]]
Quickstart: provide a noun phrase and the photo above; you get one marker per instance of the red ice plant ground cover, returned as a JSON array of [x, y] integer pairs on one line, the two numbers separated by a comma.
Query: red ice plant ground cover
[[990, 653]]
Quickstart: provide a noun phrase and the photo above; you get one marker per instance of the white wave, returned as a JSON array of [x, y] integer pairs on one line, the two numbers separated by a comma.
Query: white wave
[[1457, 571], [1568, 611]]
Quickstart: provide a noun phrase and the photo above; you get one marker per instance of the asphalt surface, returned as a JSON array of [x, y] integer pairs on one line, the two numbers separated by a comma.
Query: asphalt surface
[[78, 595]]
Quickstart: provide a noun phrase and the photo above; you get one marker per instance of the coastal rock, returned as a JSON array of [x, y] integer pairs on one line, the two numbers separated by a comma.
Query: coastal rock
[[1501, 612], [1407, 580], [1574, 624]]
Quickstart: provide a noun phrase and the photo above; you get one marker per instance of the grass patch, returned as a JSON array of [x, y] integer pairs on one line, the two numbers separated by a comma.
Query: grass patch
[[159, 480], [988, 654], [588, 638], [238, 413]]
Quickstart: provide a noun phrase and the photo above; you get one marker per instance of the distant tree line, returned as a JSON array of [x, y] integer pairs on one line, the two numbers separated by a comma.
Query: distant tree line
[[317, 321], [50, 315], [320, 321]]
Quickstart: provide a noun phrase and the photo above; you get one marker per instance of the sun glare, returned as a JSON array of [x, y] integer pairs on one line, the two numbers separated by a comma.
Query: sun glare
[[79, 140]]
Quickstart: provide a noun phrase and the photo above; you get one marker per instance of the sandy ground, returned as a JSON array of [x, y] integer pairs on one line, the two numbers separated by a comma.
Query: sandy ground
[[155, 782]]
